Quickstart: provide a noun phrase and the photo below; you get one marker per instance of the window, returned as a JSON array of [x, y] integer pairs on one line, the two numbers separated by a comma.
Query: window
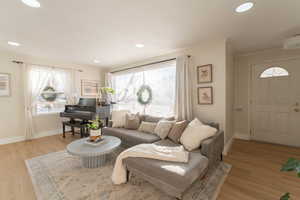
[[49, 88], [161, 79], [274, 72]]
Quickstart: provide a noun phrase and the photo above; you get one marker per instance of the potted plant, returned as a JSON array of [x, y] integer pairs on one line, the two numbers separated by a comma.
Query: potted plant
[[105, 93], [95, 129], [291, 165]]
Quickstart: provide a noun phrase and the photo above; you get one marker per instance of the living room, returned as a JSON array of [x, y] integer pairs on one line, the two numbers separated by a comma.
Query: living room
[[189, 100]]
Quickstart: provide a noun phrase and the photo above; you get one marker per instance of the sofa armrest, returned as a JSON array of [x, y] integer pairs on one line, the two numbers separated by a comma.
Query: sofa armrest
[[212, 148]]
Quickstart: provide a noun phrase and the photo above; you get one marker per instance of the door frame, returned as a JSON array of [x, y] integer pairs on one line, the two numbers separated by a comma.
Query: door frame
[[251, 89]]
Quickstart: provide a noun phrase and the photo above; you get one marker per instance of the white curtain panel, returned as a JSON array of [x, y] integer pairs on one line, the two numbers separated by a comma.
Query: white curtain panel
[[183, 100], [32, 91]]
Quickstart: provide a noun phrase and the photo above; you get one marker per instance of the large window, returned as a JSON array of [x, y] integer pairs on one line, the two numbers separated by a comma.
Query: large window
[[49, 89], [160, 78]]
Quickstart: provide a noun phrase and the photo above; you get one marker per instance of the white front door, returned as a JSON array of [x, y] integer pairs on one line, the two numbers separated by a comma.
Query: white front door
[[276, 103]]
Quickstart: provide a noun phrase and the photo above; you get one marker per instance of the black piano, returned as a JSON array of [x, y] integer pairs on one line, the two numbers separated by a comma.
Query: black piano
[[80, 114]]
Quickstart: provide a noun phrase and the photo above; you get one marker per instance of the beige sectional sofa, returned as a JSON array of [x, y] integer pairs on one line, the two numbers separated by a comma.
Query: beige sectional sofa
[[207, 157]]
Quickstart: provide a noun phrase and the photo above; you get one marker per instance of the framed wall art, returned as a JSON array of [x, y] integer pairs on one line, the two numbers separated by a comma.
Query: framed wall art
[[205, 95], [90, 88], [204, 74], [5, 87]]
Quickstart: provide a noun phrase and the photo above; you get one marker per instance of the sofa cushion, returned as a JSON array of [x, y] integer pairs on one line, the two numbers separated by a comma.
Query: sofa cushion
[[132, 121], [130, 137], [147, 127], [177, 130], [163, 128], [195, 133], [178, 175], [118, 118]]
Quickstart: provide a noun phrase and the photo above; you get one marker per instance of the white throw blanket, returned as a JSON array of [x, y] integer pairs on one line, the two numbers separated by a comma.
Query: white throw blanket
[[173, 154]]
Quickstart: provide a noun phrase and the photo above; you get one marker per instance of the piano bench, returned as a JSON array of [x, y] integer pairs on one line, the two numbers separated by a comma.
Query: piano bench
[[84, 131]]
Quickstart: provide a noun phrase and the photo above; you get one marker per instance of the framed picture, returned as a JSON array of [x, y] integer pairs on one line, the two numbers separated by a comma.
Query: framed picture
[[5, 85], [204, 74], [205, 95], [90, 88]]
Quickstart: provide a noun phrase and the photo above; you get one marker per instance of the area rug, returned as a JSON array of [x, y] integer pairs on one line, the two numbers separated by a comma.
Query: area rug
[[60, 176]]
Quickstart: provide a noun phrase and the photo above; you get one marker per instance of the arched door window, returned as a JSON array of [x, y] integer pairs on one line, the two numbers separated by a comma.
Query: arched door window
[[274, 72]]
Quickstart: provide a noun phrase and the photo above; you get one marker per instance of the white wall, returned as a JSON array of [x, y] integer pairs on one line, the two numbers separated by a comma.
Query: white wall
[[243, 64], [208, 52], [12, 108]]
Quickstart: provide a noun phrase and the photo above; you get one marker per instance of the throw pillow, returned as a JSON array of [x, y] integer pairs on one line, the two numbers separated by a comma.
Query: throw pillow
[[177, 131], [147, 127], [195, 133], [163, 128], [132, 121], [118, 118]]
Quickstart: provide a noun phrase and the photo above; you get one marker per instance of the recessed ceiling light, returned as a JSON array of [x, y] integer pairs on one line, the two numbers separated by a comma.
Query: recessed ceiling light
[[32, 3], [139, 45], [244, 7], [96, 61], [13, 43]]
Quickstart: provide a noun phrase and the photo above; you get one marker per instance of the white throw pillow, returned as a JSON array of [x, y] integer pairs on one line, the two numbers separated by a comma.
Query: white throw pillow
[[118, 117], [195, 133], [163, 128], [147, 127]]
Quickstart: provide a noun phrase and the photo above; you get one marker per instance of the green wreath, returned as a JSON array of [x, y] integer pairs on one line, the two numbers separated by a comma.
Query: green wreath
[[140, 95], [49, 94]]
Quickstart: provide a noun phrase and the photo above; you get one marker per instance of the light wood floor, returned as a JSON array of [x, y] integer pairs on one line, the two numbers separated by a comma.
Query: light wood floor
[[255, 173]]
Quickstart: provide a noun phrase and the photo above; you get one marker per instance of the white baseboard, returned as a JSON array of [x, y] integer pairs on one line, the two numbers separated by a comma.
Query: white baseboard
[[242, 136], [227, 146], [39, 135], [48, 133], [12, 140]]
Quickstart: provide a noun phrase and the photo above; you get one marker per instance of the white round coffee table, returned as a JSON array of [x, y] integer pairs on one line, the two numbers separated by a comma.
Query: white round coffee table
[[93, 156]]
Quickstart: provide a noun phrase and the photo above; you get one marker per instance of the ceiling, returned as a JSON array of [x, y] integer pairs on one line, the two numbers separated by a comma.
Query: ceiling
[[79, 31]]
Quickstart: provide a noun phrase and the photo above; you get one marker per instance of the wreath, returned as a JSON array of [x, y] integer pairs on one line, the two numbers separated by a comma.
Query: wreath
[[141, 98], [49, 94]]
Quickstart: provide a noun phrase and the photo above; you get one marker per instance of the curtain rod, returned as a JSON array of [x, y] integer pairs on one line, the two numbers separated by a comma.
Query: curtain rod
[[152, 63], [21, 62]]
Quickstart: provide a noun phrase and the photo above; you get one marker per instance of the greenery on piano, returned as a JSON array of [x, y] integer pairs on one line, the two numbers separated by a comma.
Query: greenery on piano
[[107, 90], [291, 165]]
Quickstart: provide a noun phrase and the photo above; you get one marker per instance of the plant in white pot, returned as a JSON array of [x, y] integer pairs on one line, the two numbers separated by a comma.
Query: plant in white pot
[[105, 95], [95, 129]]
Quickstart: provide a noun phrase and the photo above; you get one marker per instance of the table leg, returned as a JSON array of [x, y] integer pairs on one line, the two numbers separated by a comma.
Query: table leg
[[73, 130], [64, 130], [107, 121], [81, 132], [87, 132]]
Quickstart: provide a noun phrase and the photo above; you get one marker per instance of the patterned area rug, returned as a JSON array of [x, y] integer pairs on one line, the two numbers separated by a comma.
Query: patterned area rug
[[60, 176]]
